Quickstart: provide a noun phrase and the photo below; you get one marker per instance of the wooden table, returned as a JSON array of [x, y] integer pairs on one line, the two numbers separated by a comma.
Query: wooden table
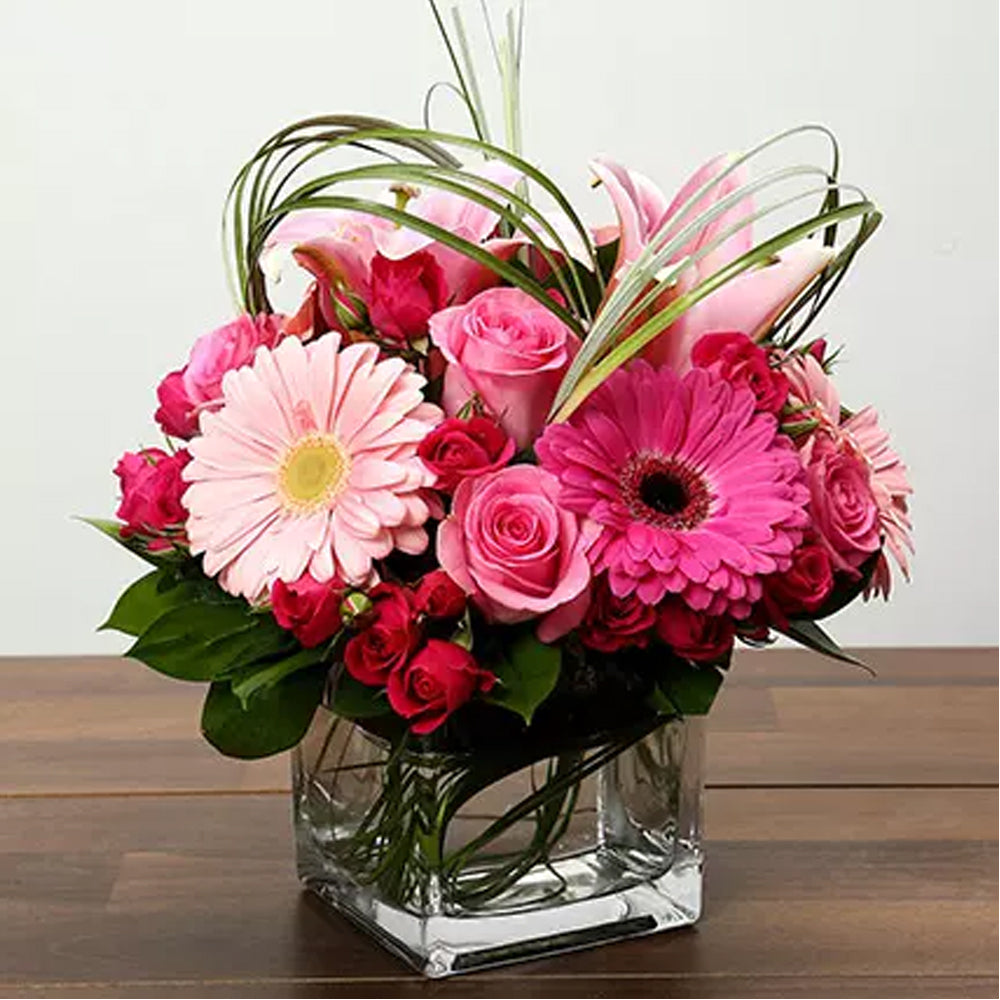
[[851, 826]]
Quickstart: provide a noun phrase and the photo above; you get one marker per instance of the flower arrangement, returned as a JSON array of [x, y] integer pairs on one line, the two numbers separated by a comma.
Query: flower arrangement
[[500, 478]]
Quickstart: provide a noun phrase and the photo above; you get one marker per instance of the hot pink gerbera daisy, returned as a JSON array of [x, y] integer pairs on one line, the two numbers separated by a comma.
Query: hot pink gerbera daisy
[[696, 494], [310, 464]]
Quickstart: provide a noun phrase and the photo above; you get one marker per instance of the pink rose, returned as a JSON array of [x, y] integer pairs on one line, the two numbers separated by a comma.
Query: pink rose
[[805, 585], [693, 634], [457, 449], [176, 413], [230, 346], [152, 488], [405, 294], [510, 351], [442, 677], [842, 505], [519, 555], [308, 609], [612, 623], [737, 359]]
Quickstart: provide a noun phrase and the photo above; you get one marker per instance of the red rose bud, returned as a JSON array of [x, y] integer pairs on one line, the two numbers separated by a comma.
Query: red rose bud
[[457, 448], [817, 349], [805, 585], [615, 622], [388, 639], [152, 488], [438, 596], [439, 679], [405, 294], [176, 413], [692, 634], [741, 362], [310, 610]]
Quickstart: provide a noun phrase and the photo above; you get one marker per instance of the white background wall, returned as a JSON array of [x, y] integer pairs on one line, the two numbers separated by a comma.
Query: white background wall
[[123, 122]]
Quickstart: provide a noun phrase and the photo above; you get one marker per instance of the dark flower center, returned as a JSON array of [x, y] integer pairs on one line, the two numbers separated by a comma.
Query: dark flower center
[[665, 491]]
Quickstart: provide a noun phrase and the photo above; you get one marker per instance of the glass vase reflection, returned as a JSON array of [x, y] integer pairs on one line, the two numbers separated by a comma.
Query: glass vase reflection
[[458, 861]]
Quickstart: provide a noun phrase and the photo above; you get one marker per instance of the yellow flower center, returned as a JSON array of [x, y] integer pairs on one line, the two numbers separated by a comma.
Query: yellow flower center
[[312, 473]]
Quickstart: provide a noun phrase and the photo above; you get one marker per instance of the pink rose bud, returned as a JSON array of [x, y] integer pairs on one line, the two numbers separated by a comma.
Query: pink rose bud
[[405, 294], [228, 347], [440, 678], [152, 488], [176, 413], [508, 350], [457, 449], [310, 610]]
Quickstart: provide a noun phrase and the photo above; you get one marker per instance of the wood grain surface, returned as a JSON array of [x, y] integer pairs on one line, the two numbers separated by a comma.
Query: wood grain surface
[[851, 825]]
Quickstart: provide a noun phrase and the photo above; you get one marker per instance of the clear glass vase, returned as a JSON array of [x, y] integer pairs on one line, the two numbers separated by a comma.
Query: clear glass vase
[[459, 861]]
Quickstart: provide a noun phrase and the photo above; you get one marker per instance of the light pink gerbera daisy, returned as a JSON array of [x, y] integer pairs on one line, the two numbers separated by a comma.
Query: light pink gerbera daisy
[[310, 464], [696, 494]]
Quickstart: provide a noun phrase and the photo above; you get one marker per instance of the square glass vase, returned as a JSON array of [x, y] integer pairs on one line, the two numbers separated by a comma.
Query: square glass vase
[[460, 862]]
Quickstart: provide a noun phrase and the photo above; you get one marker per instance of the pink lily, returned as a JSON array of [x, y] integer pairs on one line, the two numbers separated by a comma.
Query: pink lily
[[747, 304], [337, 248]]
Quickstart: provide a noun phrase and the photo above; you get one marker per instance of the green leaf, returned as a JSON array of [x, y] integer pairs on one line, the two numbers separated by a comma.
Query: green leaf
[[527, 675], [113, 529], [687, 688], [807, 633], [147, 599], [274, 720], [354, 700], [265, 676], [202, 642]]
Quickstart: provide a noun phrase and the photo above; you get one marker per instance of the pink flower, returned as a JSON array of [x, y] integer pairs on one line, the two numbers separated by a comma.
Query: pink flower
[[185, 393], [693, 635], [471, 221], [748, 303], [814, 391], [842, 506], [176, 413], [439, 679], [310, 464], [739, 360], [510, 545], [405, 294], [457, 449], [228, 347], [510, 351], [612, 623], [310, 610], [389, 637], [805, 585], [891, 489], [152, 488], [692, 490], [339, 247]]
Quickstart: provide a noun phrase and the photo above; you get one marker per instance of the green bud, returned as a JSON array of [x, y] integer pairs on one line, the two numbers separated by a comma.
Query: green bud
[[354, 606]]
